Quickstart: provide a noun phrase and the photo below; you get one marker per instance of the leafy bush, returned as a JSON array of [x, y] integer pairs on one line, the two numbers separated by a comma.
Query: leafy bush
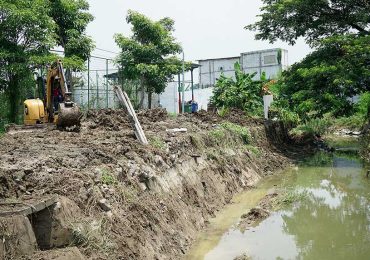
[[223, 111], [363, 106], [354, 122], [315, 126], [281, 111], [243, 92]]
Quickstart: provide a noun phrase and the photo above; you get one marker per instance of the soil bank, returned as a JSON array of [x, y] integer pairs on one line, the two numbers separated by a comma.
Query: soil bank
[[118, 199]]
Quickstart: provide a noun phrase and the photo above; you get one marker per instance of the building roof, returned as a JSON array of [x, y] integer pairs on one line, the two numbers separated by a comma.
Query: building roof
[[243, 53], [226, 58], [262, 51]]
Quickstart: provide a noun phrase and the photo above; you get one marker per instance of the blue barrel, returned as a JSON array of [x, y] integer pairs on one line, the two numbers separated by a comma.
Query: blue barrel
[[194, 107]]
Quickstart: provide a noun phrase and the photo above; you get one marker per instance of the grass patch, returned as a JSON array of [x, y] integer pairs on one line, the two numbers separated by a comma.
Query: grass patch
[[172, 115], [93, 235], [255, 150], [157, 142], [196, 141], [217, 134], [353, 123], [129, 194], [316, 126], [108, 178], [238, 130], [288, 197]]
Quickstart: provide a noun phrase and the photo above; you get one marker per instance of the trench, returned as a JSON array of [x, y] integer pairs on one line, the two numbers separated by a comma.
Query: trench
[[331, 222]]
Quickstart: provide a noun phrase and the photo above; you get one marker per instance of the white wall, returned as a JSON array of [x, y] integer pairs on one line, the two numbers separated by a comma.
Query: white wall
[[211, 70], [170, 98], [258, 61]]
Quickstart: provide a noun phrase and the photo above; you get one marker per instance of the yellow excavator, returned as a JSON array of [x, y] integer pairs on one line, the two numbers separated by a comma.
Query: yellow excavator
[[56, 107]]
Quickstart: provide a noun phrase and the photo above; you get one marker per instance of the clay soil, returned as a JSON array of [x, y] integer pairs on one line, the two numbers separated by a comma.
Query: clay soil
[[136, 201]]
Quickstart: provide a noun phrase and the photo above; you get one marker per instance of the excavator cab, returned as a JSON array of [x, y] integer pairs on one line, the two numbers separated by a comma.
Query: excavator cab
[[57, 107]]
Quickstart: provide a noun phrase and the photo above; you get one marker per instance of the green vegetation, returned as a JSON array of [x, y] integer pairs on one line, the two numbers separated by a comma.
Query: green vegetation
[[29, 29], [288, 197], [242, 93], [223, 111], [337, 70], [157, 142], [313, 127], [341, 142], [149, 54], [282, 20], [320, 159], [238, 130], [255, 150], [172, 115], [108, 178], [217, 136]]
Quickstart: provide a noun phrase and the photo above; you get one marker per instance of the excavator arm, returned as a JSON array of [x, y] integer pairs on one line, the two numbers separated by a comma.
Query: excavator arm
[[68, 113]]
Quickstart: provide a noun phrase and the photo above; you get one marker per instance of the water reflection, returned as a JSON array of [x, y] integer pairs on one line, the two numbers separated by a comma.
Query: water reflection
[[332, 223]]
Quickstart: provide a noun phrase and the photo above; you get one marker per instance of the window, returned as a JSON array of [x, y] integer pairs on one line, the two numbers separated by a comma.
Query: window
[[269, 59]]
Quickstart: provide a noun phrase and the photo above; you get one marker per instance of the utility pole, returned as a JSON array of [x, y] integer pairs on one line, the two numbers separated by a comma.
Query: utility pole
[[183, 81]]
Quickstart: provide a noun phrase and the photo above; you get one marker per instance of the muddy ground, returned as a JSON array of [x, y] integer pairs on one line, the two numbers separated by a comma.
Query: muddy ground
[[123, 200]]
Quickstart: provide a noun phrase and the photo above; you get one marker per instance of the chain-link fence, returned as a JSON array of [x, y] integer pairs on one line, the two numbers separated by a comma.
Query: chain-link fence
[[93, 88]]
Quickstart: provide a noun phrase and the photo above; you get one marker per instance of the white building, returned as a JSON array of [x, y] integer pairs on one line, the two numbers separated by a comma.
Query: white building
[[272, 62]]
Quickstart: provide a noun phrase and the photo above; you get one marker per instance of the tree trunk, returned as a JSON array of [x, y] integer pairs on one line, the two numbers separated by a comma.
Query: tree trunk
[[14, 98], [150, 100], [142, 85]]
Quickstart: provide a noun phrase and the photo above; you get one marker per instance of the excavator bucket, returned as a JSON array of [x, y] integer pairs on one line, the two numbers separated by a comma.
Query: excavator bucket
[[69, 115]]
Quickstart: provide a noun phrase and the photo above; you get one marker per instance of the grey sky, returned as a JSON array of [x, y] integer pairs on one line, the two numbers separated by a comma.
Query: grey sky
[[206, 28]]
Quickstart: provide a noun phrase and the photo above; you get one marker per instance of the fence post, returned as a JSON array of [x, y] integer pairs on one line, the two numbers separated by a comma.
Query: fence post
[[88, 84], [97, 90], [106, 82]]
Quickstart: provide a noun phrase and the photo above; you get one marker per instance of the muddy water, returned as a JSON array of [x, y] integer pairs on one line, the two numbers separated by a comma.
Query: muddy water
[[332, 222]]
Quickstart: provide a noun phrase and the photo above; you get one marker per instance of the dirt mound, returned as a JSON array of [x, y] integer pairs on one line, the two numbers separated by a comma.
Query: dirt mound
[[137, 202], [236, 116], [152, 115], [106, 118]]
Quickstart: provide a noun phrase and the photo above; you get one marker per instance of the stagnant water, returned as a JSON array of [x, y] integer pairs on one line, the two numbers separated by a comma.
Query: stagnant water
[[332, 222]]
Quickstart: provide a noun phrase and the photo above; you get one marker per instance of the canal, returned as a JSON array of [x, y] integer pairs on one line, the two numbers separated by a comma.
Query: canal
[[331, 222]]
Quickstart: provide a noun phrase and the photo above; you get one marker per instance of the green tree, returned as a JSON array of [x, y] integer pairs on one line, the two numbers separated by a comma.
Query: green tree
[[27, 31], [328, 77], [71, 18], [149, 54], [288, 20], [242, 92], [338, 68]]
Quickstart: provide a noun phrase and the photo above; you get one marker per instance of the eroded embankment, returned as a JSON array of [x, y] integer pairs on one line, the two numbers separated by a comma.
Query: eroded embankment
[[118, 199]]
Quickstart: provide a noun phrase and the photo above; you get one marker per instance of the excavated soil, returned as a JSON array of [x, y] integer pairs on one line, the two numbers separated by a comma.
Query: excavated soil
[[136, 201]]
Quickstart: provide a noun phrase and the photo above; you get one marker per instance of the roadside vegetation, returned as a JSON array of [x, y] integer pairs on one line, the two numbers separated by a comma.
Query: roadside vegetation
[[29, 31], [319, 93]]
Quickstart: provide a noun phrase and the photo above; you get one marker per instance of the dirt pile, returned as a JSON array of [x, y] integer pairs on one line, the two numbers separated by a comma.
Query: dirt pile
[[140, 202]]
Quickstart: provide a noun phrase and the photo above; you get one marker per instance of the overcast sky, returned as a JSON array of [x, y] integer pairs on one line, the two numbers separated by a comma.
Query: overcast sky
[[205, 28]]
